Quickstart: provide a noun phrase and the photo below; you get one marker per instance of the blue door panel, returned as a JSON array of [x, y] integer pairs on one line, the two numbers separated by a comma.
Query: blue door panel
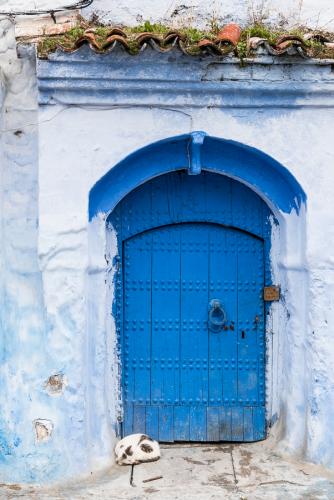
[[225, 423], [193, 315], [182, 381], [237, 423], [213, 423], [139, 416], [152, 421], [182, 423], [248, 425], [178, 197], [223, 348], [258, 423], [166, 423], [128, 412], [170, 423], [165, 297], [250, 318], [186, 241], [137, 316]]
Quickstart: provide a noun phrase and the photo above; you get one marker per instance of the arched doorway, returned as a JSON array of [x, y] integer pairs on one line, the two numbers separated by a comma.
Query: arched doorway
[[192, 324], [257, 175]]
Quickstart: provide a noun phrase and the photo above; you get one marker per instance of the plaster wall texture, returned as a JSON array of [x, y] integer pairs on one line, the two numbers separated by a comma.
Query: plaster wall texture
[[56, 308], [308, 420], [319, 14], [299, 375], [23, 352]]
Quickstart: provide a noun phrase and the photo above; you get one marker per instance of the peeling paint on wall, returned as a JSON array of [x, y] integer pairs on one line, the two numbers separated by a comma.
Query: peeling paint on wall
[[56, 384], [43, 430], [186, 12]]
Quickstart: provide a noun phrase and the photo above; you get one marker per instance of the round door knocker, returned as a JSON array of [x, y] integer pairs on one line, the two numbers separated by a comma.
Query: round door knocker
[[217, 316]]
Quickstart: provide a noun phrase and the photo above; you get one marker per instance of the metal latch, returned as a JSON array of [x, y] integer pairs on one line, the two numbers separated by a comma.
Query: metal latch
[[271, 293]]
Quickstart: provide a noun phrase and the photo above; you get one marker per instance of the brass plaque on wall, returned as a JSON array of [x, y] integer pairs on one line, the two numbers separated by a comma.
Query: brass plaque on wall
[[271, 293]]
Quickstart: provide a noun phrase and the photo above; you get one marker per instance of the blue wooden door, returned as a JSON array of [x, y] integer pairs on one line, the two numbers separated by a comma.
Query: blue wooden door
[[192, 371]]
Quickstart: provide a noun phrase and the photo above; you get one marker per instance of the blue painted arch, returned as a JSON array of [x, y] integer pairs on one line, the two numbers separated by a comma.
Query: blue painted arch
[[271, 180]]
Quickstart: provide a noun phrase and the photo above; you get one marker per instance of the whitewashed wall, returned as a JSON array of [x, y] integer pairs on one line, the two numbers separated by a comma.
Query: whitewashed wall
[[319, 13], [51, 158], [296, 139], [300, 369], [22, 369]]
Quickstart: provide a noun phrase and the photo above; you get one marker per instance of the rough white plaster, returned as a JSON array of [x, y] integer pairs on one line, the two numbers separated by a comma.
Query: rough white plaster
[[318, 13], [24, 361], [202, 13]]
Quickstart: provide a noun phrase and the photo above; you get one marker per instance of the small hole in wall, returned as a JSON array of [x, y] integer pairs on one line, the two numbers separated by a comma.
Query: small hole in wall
[[55, 384], [43, 429]]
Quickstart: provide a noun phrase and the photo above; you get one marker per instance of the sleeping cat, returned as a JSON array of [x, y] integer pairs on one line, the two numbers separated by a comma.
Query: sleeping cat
[[135, 449]]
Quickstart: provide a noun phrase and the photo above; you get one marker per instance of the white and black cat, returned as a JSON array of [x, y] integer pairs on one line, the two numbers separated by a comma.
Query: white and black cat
[[136, 449]]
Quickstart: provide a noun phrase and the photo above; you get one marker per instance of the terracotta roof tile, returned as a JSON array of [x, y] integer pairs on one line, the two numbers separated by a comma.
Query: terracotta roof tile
[[285, 45], [316, 37], [230, 33], [225, 43]]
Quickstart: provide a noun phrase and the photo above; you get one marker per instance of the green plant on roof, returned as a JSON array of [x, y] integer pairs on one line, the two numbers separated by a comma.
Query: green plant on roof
[[46, 46], [148, 27], [242, 51], [261, 31], [74, 33], [133, 47], [191, 36], [102, 31]]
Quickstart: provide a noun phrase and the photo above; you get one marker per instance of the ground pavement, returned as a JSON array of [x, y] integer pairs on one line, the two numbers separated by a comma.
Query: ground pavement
[[208, 472]]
